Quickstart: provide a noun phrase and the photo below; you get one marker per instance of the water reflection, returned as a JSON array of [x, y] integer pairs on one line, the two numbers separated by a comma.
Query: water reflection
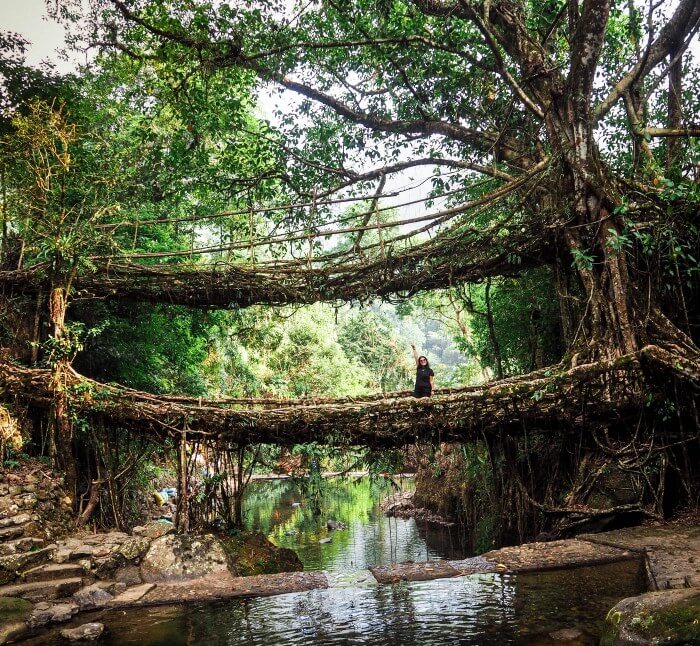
[[480, 609], [370, 538]]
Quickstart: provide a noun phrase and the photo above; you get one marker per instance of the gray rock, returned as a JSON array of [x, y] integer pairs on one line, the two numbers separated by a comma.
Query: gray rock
[[132, 595], [134, 548], [85, 633], [129, 575], [178, 557], [62, 555], [46, 613], [92, 596], [104, 568], [155, 529], [20, 519], [114, 587], [81, 552], [566, 634]]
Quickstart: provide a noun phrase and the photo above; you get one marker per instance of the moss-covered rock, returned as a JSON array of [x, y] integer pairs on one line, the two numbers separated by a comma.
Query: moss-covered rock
[[181, 557], [252, 553], [666, 617], [13, 613]]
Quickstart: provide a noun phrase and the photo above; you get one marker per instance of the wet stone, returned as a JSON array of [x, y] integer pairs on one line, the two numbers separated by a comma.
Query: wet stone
[[354, 579], [85, 633], [92, 596], [566, 634], [413, 571]]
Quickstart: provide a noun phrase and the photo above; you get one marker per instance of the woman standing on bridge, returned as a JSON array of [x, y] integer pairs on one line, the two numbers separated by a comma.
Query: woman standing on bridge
[[425, 377]]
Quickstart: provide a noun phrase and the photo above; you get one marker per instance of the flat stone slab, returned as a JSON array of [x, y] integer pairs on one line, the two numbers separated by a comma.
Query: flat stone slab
[[219, 587], [555, 555], [673, 552], [131, 595], [414, 571], [474, 565], [53, 571], [354, 579], [39, 590]]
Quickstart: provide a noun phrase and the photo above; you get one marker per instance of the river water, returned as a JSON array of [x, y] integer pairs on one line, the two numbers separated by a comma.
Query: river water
[[286, 513], [480, 609]]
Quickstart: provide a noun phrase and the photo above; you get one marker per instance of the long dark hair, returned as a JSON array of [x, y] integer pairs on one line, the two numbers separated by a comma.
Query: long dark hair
[[427, 363]]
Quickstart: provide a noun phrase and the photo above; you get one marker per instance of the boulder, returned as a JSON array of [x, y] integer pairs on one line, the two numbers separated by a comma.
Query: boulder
[[46, 613], [180, 557], [85, 633], [133, 548], [92, 596], [128, 575], [154, 529], [665, 617]]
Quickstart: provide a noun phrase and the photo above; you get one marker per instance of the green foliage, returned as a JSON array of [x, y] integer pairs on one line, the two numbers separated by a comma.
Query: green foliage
[[526, 322], [156, 349], [370, 339]]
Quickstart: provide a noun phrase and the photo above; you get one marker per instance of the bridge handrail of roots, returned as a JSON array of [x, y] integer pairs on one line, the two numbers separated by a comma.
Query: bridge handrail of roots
[[553, 398], [460, 252]]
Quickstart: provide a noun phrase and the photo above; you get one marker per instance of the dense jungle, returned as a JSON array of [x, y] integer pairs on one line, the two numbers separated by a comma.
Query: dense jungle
[[225, 228]]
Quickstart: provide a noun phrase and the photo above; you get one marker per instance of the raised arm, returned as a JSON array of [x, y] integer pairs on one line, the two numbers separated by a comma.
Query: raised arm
[[415, 353]]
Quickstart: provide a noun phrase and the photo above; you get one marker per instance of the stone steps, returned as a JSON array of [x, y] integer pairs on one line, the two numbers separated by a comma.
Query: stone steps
[[20, 545], [9, 533], [53, 572], [43, 590], [13, 564]]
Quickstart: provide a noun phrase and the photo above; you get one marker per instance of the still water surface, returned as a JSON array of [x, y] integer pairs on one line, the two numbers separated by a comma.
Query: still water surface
[[285, 513], [485, 609]]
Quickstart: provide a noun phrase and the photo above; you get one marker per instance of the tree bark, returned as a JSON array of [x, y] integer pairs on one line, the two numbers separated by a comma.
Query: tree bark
[[182, 521], [62, 431]]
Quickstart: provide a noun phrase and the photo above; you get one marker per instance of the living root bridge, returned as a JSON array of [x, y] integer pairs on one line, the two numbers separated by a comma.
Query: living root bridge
[[589, 393], [469, 257]]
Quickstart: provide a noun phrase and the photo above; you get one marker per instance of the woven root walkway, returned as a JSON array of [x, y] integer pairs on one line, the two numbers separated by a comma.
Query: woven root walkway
[[554, 398]]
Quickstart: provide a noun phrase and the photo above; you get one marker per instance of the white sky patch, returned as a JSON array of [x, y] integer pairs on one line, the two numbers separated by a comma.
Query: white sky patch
[[30, 19]]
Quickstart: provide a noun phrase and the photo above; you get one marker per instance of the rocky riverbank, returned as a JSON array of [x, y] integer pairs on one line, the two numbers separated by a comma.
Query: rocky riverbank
[[48, 580]]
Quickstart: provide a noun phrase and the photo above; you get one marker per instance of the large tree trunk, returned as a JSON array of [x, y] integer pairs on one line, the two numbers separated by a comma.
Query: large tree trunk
[[591, 234], [61, 427]]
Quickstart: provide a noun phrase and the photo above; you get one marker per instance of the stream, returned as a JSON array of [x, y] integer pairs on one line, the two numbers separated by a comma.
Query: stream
[[479, 609]]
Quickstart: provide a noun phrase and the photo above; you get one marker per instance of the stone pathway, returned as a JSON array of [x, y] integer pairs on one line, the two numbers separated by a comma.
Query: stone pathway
[[672, 552], [671, 555], [216, 588]]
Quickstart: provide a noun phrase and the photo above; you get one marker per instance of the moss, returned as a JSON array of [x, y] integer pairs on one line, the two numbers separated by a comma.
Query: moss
[[252, 553], [12, 609], [654, 618], [682, 620]]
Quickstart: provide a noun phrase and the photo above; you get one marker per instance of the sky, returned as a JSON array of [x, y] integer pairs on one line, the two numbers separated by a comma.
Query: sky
[[29, 18]]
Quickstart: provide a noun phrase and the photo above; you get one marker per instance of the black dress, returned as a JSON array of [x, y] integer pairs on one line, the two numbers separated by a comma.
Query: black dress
[[422, 387]]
